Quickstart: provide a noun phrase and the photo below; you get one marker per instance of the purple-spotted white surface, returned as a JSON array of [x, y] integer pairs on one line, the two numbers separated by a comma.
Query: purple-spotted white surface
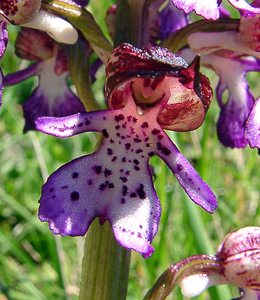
[[115, 183]]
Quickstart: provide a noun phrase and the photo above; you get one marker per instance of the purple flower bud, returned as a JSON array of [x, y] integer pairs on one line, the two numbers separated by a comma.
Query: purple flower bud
[[240, 258]]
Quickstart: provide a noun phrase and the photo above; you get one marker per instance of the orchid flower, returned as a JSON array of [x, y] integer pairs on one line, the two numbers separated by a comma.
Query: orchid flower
[[3, 44], [51, 67], [231, 55], [210, 9], [30, 14], [236, 263], [148, 90]]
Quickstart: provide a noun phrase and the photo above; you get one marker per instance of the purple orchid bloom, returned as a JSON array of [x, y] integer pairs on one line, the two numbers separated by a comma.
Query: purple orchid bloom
[[3, 45], [30, 14], [115, 183], [210, 9], [231, 55], [51, 67], [165, 21]]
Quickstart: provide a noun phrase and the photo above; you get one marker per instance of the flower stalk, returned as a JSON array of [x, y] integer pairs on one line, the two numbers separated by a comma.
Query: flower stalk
[[105, 265]]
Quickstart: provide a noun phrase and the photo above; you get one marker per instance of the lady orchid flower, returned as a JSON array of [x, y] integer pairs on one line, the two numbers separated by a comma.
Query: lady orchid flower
[[51, 67], [231, 54], [148, 90], [236, 263], [3, 44], [30, 14]]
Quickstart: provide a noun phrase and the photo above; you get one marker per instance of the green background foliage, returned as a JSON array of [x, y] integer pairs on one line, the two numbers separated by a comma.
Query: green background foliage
[[35, 264]]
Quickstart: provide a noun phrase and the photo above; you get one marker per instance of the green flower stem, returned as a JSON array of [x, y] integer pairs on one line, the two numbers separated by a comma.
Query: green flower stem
[[79, 70], [83, 21], [138, 18], [178, 39], [105, 266], [122, 30]]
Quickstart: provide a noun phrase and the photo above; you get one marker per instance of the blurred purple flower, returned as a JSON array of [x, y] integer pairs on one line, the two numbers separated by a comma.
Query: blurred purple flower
[[30, 14], [231, 54], [3, 45], [52, 95], [210, 9], [115, 183]]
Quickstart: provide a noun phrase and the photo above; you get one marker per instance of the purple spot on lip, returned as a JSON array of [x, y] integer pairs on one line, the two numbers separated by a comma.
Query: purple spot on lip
[[109, 151], [107, 172], [119, 118], [97, 169], [114, 158], [124, 179], [145, 125], [87, 122], [136, 140], [155, 131], [64, 187], [75, 175], [74, 196], [136, 162], [179, 167], [90, 181], [138, 151], [124, 190], [140, 192], [105, 133]]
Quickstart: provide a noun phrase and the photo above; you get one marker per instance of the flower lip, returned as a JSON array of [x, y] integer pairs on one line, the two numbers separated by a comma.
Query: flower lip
[[159, 78]]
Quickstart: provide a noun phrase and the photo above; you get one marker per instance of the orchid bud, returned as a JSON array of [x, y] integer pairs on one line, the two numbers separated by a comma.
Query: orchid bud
[[240, 256], [237, 262], [19, 11]]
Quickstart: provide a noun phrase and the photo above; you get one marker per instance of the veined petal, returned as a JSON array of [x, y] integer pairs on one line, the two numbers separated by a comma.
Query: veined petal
[[208, 10], [3, 38], [209, 42], [245, 6], [252, 130], [114, 183], [188, 177]]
